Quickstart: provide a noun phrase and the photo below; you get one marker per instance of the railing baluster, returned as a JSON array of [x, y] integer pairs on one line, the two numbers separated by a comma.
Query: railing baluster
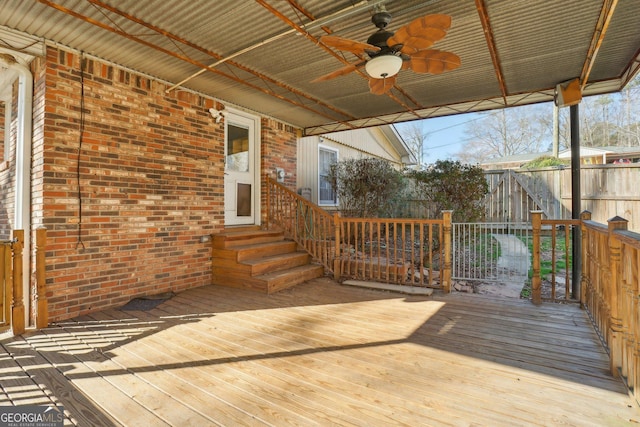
[[42, 312]]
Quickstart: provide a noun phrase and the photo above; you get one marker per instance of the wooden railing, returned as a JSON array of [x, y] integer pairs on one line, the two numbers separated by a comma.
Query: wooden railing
[[610, 292], [557, 254], [305, 223], [401, 251], [12, 308], [413, 252]]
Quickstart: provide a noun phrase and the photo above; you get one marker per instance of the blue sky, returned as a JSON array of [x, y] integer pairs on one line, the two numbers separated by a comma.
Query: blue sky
[[445, 135]]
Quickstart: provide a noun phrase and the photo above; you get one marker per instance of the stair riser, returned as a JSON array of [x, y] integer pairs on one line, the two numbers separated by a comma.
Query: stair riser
[[283, 248], [262, 267], [230, 240], [288, 282], [229, 279], [249, 253], [283, 281], [295, 260]]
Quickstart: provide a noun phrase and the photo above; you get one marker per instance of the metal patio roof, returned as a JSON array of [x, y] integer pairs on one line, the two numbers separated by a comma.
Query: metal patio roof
[[262, 55]]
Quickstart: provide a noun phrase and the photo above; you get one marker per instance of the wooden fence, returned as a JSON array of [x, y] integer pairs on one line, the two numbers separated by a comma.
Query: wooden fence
[[11, 279], [606, 191], [399, 251]]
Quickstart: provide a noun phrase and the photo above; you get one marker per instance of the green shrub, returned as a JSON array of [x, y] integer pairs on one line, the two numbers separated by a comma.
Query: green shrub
[[451, 185], [545, 161], [366, 188]]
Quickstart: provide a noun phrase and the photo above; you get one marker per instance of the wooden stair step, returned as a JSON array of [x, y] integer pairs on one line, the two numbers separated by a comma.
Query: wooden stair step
[[257, 266], [232, 239], [269, 282], [276, 281], [260, 260], [276, 262], [261, 250]]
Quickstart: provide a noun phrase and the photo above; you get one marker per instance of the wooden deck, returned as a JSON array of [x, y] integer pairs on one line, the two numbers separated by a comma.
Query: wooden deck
[[320, 354]]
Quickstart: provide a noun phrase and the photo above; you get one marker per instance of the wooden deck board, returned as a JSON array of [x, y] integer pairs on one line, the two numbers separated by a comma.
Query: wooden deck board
[[321, 354]]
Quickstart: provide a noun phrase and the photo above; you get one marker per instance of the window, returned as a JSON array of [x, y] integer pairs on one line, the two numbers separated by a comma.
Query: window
[[326, 195], [237, 149]]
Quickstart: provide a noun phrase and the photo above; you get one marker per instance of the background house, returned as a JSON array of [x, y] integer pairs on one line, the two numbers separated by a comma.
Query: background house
[[604, 155], [588, 156], [317, 153]]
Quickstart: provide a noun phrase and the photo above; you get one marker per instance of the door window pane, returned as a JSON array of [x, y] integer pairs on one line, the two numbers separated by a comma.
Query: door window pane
[[237, 149]]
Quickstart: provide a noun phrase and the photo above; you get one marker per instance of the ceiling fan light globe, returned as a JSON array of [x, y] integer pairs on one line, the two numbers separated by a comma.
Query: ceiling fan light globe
[[383, 66]]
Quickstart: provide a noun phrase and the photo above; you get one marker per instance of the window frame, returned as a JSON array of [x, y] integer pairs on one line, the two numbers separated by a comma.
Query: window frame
[[335, 151]]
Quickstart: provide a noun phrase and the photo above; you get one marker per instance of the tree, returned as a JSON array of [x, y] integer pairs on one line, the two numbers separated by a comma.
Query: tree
[[605, 120], [451, 185], [507, 132], [416, 138], [366, 188], [612, 119]]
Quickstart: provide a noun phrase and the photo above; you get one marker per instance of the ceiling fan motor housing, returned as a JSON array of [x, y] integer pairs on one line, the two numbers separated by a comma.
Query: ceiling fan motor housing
[[380, 37], [381, 19]]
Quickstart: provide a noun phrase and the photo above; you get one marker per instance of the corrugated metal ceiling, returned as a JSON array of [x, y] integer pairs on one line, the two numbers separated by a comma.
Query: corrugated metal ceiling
[[539, 43]]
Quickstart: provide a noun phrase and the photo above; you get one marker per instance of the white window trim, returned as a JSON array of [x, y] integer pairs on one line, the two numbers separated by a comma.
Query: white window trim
[[335, 150]]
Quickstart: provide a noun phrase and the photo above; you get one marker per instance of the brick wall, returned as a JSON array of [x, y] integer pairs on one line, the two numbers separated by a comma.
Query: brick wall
[[126, 201]]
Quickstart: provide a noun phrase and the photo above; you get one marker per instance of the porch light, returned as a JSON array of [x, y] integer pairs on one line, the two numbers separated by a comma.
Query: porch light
[[383, 66]]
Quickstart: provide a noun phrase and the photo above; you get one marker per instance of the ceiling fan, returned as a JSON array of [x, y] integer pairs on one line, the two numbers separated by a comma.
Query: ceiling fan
[[387, 53]]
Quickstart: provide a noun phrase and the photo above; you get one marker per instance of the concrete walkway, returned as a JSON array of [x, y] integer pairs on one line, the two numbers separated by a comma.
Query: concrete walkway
[[513, 267]]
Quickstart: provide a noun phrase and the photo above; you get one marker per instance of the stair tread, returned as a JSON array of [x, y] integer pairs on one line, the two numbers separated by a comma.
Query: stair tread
[[247, 234], [294, 270], [274, 258], [262, 245]]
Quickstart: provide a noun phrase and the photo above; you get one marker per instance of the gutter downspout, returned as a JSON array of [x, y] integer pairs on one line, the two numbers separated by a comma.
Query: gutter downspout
[[22, 214]]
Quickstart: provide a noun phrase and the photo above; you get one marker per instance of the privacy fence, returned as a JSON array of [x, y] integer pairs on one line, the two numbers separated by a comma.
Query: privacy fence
[[606, 191]]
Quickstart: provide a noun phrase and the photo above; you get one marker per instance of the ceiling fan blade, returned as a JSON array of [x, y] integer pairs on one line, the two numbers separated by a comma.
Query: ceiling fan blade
[[340, 72], [433, 61], [381, 86], [352, 46], [421, 33]]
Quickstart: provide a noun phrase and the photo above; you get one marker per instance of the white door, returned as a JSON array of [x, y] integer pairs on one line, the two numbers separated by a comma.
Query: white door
[[241, 188]]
